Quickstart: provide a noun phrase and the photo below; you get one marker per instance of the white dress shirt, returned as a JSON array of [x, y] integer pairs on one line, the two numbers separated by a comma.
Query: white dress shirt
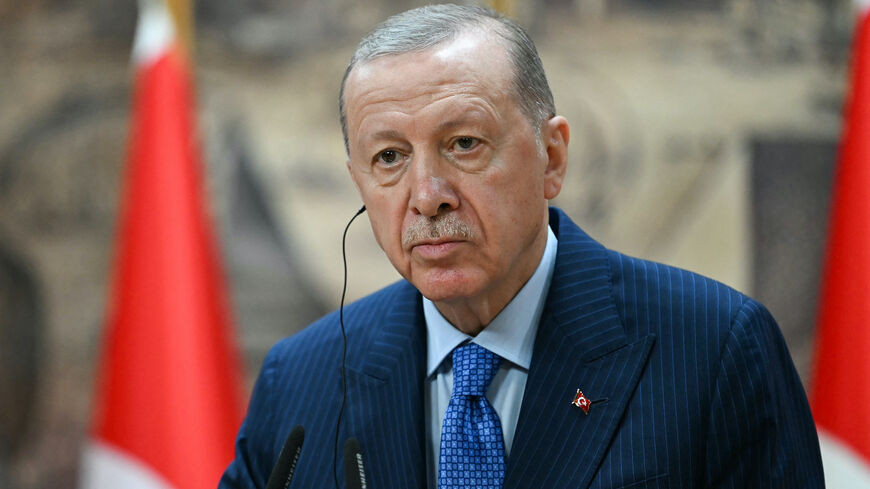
[[510, 335]]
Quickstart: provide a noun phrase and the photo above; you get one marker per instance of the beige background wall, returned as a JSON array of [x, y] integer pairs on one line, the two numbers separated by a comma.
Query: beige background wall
[[693, 122]]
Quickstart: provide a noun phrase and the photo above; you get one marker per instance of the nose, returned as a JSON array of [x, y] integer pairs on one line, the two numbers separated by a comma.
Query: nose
[[431, 190]]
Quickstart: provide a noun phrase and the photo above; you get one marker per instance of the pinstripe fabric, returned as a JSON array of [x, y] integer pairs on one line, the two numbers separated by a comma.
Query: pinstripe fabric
[[691, 384], [300, 384]]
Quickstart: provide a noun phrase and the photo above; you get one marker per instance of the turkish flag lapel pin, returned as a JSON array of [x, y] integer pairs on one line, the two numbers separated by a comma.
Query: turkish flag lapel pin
[[581, 402]]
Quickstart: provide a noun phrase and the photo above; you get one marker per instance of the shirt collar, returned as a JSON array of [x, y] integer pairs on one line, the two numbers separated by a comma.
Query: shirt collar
[[511, 335]]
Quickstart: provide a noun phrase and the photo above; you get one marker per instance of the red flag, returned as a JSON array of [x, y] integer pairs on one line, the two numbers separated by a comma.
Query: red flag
[[840, 394], [169, 400], [581, 402]]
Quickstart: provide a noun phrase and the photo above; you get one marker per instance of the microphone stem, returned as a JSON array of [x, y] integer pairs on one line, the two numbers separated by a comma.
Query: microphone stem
[[344, 348]]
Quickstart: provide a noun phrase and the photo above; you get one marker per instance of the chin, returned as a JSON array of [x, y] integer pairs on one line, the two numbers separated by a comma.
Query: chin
[[439, 295], [447, 286]]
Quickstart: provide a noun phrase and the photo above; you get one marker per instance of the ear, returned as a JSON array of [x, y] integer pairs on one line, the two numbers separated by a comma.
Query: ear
[[555, 135], [353, 176]]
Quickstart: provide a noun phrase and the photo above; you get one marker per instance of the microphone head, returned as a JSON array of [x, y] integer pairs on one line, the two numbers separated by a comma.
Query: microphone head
[[296, 436], [282, 473], [354, 471]]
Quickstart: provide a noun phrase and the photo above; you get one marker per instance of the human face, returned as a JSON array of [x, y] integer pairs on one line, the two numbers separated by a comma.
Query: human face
[[452, 173]]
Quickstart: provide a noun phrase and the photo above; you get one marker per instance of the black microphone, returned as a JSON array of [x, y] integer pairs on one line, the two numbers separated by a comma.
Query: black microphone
[[354, 472], [282, 473]]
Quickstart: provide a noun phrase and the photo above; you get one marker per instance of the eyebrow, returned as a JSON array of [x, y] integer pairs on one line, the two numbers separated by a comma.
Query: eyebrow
[[473, 117], [451, 124], [392, 134], [386, 134]]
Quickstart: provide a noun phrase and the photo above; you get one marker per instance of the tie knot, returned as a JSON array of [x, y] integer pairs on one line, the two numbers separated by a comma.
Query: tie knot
[[474, 367]]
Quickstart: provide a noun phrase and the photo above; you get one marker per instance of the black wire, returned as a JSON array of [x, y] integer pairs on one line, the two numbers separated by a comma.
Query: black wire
[[344, 348]]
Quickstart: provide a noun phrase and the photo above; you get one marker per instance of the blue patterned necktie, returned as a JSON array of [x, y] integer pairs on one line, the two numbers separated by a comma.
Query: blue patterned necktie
[[472, 444]]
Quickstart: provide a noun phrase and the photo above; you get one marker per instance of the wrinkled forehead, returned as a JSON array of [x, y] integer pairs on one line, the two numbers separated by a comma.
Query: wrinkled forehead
[[471, 58]]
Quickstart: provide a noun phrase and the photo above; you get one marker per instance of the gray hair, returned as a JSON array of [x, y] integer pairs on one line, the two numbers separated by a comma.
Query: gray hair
[[425, 27]]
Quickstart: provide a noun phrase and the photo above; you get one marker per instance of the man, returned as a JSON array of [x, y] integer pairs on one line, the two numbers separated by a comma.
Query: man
[[517, 352]]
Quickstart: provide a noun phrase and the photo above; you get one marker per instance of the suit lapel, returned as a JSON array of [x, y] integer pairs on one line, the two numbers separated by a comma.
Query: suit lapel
[[580, 344], [385, 397]]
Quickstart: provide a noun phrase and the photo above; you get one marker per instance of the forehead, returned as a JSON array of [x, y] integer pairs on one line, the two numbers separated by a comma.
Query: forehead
[[472, 64]]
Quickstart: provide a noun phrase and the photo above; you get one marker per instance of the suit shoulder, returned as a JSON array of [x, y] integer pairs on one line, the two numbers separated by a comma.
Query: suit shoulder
[[643, 289], [321, 341], [652, 275]]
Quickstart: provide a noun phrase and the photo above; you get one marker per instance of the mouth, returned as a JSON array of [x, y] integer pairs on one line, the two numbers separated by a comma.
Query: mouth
[[434, 249], [435, 241]]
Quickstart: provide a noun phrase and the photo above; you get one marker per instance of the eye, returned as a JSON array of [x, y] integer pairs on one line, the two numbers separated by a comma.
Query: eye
[[465, 143], [387, 157]]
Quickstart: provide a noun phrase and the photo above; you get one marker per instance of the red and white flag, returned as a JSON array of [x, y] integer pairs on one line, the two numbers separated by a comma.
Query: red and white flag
[[169, 400], [840, 392]]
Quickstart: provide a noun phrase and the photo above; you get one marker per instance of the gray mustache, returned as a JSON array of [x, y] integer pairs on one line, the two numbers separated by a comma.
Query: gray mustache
[[438, 227]]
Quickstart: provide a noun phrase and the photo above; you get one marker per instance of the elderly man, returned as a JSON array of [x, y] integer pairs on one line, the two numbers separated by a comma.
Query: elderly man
[[517, 352]]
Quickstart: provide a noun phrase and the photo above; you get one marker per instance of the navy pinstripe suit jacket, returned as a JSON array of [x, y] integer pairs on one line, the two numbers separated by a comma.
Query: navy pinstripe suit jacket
[[700, 390]]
